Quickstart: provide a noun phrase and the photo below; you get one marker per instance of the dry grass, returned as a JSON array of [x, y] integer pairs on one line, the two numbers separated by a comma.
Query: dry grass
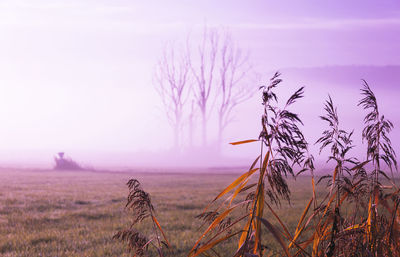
[[358, 217], [47, 213]]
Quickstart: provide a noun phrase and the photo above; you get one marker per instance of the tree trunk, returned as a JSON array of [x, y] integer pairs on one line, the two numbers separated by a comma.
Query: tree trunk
[[219, 139], [176, 138], [204, 127]]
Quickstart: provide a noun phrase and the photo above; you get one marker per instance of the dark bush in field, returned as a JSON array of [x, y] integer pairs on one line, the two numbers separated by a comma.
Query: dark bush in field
[[64, 163]]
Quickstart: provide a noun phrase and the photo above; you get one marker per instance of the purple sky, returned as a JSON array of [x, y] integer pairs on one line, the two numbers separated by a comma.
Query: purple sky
[[76, 75]]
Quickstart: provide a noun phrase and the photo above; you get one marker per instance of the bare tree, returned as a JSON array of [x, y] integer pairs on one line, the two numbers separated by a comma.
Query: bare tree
[[232, 90], [204, 75], [219, 73], [172, 84], [217, 68]]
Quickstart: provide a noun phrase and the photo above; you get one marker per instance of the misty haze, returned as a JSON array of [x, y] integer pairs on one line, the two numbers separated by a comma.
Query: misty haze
[[212, 128]]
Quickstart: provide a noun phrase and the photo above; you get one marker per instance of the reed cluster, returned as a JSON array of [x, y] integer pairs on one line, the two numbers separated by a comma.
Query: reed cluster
[[358, 216]]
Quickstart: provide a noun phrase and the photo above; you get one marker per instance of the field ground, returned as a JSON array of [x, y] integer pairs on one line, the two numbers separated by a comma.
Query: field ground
[[48, 213]]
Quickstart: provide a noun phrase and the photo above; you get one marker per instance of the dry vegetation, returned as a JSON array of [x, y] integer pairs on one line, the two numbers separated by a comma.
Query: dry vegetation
[[48, 213], [358, 216]]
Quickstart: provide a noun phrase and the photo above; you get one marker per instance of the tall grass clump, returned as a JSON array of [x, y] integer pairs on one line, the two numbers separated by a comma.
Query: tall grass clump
[[141, 209], [370, 224], [282, 146], [357, 216]]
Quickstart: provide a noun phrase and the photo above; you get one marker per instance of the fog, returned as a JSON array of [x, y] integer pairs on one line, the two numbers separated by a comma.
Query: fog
[[78, 76]]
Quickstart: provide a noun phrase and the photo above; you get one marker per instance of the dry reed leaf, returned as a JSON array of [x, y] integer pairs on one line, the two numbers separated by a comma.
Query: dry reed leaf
[[298, 230], [161, 230], [216, 222], [303, 245], [319, 235], [259, 213], [362, 164], [244, 142], [212, 244], [329, 204], [315, 245], [356, 226], [258, 206], [255, 162], [369, 220], [233, 185], [313, 190], [333, 180], [226, 228], [245, 232], [288, 235], [239, 189], [264, 166], [275, 233]]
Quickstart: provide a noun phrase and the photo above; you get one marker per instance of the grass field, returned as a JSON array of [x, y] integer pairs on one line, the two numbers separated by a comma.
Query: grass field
[[48, 213]]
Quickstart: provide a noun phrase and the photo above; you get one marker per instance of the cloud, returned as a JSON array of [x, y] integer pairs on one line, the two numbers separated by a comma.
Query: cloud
[[324, 24]]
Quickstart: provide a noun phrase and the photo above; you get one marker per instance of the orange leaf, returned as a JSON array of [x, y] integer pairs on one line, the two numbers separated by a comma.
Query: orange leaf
[[216, 222], [259, 213], [244, 234], [244, 142], [233, 185], [298, 230], [212, 244], [159, 227]]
